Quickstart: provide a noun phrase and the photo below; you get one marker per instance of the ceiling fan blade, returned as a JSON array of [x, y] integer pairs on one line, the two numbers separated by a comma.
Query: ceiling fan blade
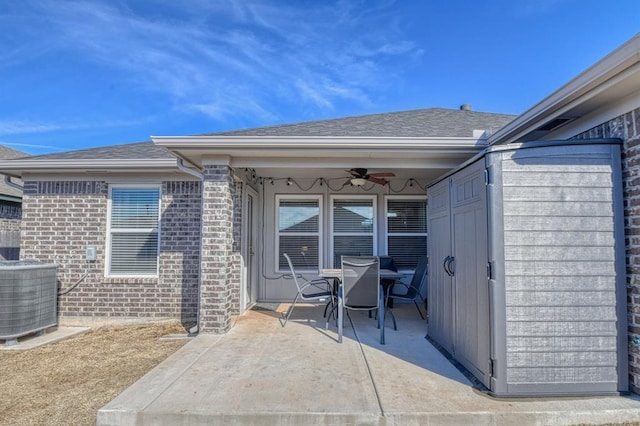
[[378, 181], [382, 174], [347, 182], [358, 172]]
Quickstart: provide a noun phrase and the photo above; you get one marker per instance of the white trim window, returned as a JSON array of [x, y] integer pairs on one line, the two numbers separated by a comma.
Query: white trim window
[[133, 230], [353, 226], [406, 229], [298, 230]]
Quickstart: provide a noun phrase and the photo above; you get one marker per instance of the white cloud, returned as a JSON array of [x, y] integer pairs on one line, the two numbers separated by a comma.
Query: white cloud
[[16, 127], [22, 126], [221, 108], [315, 94], [31, 146], [317, 52]]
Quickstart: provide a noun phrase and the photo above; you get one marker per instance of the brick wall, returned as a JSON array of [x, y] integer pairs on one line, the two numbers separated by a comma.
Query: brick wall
[[60, 219], [10, 224], [10, 217], [627, 128], [180, 249]]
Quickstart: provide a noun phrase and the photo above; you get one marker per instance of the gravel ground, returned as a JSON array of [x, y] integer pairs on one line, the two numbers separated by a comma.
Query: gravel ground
[[65, 383]]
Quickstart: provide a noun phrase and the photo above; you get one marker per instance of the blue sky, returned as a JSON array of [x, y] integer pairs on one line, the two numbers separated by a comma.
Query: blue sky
[[78, 74]]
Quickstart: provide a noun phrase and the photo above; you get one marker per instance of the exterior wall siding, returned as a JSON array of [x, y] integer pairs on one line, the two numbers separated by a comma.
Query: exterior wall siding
[[627, 128], [62, 218], [559, 236]]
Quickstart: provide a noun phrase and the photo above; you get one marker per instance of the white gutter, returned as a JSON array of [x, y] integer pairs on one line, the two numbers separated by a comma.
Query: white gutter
[[7, 181], [313, 142], [190, 170], [74, 164], [247, 151]]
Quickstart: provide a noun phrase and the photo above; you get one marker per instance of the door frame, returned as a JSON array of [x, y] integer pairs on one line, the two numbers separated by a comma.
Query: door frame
[[250, 244]]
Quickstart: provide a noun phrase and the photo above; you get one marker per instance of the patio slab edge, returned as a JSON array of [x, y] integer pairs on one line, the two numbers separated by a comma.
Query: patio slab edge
[[133, 400], [202, 418], [52, 335]]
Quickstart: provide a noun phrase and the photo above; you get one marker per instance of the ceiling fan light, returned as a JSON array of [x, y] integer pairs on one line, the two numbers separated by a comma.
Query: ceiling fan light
[[358, 181]]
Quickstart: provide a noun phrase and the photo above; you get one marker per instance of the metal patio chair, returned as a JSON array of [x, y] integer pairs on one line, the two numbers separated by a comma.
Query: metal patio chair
[[360, 289], [387, 262], [412, 291], [315, 291]]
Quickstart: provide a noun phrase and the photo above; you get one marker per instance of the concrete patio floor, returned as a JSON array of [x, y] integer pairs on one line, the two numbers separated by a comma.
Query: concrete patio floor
[[260, 373]]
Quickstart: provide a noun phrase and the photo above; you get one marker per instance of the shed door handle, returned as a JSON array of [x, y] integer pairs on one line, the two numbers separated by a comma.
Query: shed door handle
[[448, 261]]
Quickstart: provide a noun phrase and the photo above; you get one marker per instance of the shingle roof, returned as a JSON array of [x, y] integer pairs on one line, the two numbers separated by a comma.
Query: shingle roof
[[431, 122], [141, 150], [8, 153]]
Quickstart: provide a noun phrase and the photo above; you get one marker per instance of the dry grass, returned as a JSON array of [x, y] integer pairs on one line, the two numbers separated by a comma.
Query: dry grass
[[67, 382]]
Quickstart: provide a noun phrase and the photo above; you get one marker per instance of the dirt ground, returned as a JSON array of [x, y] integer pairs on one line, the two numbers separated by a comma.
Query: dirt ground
[[65, 383]]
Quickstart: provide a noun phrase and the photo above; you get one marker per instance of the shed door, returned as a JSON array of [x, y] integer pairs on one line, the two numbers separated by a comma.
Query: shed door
[[470, 252], [440, 301]]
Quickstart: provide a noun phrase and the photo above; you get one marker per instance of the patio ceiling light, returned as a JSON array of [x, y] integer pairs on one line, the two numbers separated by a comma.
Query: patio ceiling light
[[358, 181]]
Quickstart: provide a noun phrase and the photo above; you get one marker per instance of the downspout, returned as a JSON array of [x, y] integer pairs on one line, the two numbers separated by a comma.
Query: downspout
[[7, 181], [193, 172]]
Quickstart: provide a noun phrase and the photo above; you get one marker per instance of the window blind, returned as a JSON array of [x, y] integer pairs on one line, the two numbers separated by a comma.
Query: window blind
[[353, 228], [134, 253], [135, 213], [299, 233], [406, 231]]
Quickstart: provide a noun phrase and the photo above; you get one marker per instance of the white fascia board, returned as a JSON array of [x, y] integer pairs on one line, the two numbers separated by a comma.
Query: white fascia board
[[585, 86], [263, 151], [17, 167], [311, 142]]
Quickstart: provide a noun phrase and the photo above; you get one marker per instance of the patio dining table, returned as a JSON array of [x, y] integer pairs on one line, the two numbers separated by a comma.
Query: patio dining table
[[336, 274]]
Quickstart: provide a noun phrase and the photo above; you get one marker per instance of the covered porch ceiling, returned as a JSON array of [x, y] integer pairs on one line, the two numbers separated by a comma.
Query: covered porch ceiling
[[423, 159]]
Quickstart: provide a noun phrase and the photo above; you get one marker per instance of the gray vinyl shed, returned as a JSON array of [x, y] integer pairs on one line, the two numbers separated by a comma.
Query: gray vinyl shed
[[526, 268]]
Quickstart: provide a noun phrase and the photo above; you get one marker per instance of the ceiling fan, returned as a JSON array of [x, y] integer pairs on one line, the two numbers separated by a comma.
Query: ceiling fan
[[360, 176]]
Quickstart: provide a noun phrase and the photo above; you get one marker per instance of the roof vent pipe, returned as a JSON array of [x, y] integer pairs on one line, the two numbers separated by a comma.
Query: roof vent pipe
[[465, 107]]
